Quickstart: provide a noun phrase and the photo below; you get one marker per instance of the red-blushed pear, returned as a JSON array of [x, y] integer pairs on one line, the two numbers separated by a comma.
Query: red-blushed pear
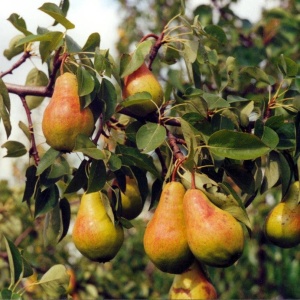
[[214, 236], [165, 235], [94, 234], [192, 284], [282, 225], [63, 118], [143, 80]]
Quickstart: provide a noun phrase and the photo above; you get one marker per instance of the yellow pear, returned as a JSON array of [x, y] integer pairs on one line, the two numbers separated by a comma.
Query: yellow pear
[[132, 203], [94, 234], [143, 80], [165, 235], [214, 236], [192, 284], [282, 225], [63, 118]]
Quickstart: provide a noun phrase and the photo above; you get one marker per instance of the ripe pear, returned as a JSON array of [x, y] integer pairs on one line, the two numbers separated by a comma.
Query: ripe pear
[[165, 235], [214, 236], [94, 234], [143, 80], [132, 203], [63, 118], [282, 225], [192, 284]]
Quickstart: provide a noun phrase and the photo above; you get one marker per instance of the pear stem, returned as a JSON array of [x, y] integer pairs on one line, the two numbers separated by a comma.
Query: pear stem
[[193, 183]]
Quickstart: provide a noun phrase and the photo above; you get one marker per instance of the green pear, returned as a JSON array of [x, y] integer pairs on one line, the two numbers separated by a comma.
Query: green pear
[[94, 234], [192, 284], [142, 80], [63, 117], [214, 236], [282, 225], [165, 235]]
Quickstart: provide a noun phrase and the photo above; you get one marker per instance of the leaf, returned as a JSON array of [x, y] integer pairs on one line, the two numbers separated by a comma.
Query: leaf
[[287, 66], [15, 261], [137, 58], [55, 281], [97, 176], [150, 136], [14, 148], [217, 33], [236, 145], [79, 179], [215, 101], [56, 13], [65, 212], [25, 129], [86, 82], [59, 168], [14, 50], [35, 77], [256, 73], [4, 115], [92, 42], [47, 160], [84, 145], [46, 200], [108, 95], [18, 23], [31, 180], [48, 36], [52, 226]]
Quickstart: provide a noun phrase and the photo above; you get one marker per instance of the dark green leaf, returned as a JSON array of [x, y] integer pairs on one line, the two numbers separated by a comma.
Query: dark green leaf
[[288, 67], [287, 137], [92, 42], [84, 145], [46, 200], [65, 210], [108, 95], [30, 186], [58, 168], [14, 148], [150, 136], [56, 13], [47, 160], [79, 179], [4, 115], [215, 101], [217, 33], [236, 145], [256, 73], [97, 176], [18, 23], [86, 82], [52, 226]]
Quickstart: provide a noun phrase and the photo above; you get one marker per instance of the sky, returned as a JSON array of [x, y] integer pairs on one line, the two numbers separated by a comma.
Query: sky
[[88, 16]]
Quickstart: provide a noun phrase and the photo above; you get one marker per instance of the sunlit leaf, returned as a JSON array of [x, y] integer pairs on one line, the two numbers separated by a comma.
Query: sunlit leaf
[[86, 146], [14, 50], [19, 23], [47, 160]]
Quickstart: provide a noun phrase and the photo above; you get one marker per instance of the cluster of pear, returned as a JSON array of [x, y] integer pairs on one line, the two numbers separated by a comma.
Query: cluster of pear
[[95, 233], [282, 224], [63, 118], [188, 230]]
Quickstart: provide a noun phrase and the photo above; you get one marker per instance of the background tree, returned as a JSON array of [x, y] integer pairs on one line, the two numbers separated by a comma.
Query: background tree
[[230, 119]]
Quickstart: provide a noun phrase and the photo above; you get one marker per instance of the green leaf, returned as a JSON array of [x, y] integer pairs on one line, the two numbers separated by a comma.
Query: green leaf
[[65, 212], [217, 33], [55, 281], [86, 82], [215, 101], [114, 163], [46, 200], [287, 137], [52, 226], [15, 261], [92, 42], [31, 180], [59, 168], [108, 95], [150, 136], [47, 160], [14, 50], [48, 36], [137, 58], [35, 77], [97, 176], [287, 66], [256, 73], [4, 115], [56, 13], [79, 179], [14, 148], [132, 157], [25, 129], [18, 23], [236, 145], [84, 145]]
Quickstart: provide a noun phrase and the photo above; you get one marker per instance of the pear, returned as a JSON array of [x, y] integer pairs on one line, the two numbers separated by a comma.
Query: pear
[[132, 203], [94, 234], [214, 236], [165, 238], [143, 80], [63, 117], [282, 224], [192, 284]]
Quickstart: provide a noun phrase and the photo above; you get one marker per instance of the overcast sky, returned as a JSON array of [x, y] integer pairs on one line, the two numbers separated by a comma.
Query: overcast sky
[[88, 16]]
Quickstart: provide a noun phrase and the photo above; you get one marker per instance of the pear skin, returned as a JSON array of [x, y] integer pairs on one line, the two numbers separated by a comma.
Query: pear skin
[[282, 225], [165, 235], [214, 236], [192, 284], [143, 80], [94, 234], [63, 118]]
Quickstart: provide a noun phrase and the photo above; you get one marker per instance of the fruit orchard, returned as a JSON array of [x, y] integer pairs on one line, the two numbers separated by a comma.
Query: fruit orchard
[[168, 171]]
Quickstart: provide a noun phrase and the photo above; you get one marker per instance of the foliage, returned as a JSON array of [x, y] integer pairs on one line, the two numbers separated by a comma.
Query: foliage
[[230, 116]]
